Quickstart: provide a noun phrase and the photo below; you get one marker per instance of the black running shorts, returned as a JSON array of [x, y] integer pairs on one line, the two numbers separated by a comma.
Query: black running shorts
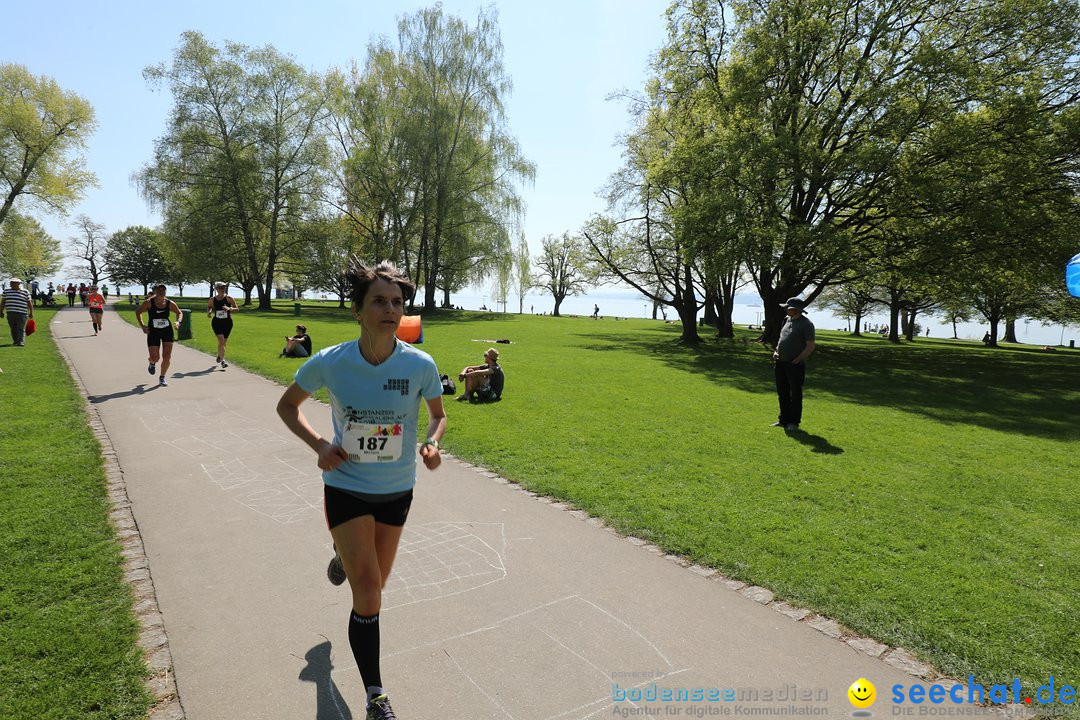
[[342, 506], [222, 326], [156, 337]]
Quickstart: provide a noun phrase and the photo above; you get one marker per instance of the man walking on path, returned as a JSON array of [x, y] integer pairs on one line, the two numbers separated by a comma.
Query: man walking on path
[[795, 345], [16, 303]]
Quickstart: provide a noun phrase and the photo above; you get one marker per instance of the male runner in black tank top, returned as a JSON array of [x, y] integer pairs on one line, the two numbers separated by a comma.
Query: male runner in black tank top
[[159, 331], [220, 308]]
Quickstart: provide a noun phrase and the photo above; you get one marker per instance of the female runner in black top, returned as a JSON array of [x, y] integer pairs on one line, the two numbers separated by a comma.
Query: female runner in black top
[[220, 308], [159, 331]]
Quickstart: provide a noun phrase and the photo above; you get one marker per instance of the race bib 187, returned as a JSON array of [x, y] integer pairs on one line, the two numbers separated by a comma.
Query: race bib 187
[[372, 443]]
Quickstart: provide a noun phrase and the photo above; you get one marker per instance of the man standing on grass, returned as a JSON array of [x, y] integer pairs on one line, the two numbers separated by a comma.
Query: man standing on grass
[[795, 345], [16, 303]]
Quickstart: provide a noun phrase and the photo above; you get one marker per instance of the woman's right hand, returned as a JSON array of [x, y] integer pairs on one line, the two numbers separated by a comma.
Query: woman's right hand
[[330, 456]]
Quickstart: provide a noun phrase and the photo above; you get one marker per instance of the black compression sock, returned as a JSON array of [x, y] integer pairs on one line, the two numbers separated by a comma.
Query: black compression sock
[[364, 639]]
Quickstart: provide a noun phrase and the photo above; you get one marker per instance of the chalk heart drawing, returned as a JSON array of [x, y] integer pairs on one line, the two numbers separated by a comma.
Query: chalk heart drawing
[[441, 559]]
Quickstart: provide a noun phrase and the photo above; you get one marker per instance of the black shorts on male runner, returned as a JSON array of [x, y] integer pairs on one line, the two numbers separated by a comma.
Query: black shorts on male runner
[[153, 339], [222, 326], [342, 506]]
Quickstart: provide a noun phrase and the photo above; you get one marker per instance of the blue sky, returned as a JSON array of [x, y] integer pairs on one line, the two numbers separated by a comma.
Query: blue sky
[[564, 56]]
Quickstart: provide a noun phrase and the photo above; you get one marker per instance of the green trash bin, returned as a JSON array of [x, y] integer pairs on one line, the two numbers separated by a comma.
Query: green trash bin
[[296, 308], [185, 326]]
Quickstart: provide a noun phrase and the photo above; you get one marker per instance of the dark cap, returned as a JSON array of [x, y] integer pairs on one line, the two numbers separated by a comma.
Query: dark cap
[[797, 303]]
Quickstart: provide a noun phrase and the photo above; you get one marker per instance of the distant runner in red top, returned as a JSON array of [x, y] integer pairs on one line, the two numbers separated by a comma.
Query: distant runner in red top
[[97, 307]]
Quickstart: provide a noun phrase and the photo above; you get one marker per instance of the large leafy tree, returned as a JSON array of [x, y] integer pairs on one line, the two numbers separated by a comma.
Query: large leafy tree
[[804, 112], [43, 130], [522, 279], [429, 169], [27, 249], [562, 267], [326, 256], [87, 248], [244, 142], [134, 257]]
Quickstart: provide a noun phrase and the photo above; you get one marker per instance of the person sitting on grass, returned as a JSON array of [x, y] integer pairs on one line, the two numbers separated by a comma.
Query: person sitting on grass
[[483, 383], [299, 345]]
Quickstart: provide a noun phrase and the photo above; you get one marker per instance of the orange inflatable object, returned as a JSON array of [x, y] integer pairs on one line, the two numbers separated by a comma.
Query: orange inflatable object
[[410, 330]]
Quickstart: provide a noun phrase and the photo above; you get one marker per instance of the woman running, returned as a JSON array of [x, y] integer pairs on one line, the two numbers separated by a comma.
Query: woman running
[[96, 301], [220, 308], [375, 384], [159, 333]]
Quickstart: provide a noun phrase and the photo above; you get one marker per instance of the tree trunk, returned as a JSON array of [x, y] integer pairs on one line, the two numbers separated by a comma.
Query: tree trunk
[[994, 320], [954, 335], [1010, 330], [725, 328], [910, 334], [773, 314], [711, 315], [432, 267], [558, 302], [858, 323], [446, 297], [688, 317], [894, 319]]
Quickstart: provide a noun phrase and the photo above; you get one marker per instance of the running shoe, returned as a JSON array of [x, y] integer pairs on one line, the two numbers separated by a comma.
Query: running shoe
[[224, 364], [378, 708], [151, 368], [335, 571], [162, 382]]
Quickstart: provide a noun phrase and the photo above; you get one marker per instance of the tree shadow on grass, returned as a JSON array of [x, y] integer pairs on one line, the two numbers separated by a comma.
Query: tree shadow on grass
[[1018, 390]]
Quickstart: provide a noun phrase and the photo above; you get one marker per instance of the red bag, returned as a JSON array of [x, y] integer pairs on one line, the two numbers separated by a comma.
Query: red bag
[[31, 326]]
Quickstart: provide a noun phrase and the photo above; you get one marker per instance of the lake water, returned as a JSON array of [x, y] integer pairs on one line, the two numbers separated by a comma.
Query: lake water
[[631, 304]]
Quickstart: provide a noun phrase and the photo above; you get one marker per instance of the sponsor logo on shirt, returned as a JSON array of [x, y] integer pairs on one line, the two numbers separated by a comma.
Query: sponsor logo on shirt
[[397, 385]]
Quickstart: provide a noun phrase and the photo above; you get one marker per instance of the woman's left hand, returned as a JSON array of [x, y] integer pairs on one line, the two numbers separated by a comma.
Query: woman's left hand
[[430, 455]]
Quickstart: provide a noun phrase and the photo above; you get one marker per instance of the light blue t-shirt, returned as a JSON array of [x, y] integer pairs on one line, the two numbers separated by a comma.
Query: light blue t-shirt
[[375, 410]]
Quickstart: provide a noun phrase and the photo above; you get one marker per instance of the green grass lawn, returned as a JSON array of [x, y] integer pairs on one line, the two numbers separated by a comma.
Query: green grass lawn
[[67, 631], [930, 501]]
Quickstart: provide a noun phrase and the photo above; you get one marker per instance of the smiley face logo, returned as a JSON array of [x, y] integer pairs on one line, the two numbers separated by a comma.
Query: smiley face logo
[[862, 693]]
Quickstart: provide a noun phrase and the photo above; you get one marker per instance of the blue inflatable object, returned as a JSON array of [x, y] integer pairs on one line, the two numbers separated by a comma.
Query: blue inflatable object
[[1072, 276]]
